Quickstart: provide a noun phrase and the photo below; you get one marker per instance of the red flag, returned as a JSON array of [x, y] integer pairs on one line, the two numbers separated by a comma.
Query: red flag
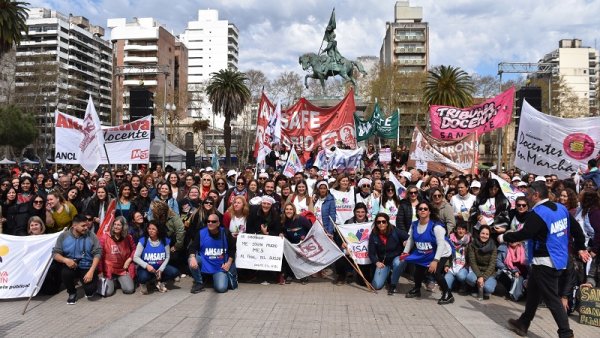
[[109, 217]]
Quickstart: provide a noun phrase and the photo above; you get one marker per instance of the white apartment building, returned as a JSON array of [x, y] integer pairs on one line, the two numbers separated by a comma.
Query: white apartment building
[[59, 64], [406, 41], [212, 45], [578, 66]]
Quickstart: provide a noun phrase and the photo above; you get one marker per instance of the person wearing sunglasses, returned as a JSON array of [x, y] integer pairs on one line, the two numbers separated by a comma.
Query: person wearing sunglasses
[[385, 246], [389, 202], [239, 189], [408, 208], [445, 213], [364, 194], [462, 202], [429, 249], [212, 253]]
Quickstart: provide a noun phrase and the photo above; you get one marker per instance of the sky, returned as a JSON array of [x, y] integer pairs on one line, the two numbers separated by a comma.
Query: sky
[[474, 35]]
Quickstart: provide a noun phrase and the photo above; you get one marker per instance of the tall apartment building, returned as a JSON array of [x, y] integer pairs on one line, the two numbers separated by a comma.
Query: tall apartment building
[[147, 58], [212, 45], [578, 66], [59, 64], [406, 42]]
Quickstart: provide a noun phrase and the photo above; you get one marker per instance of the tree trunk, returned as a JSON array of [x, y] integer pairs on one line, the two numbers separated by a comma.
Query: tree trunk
[[227, 139]]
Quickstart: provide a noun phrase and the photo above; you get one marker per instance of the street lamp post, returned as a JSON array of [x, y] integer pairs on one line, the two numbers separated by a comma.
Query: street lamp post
[[168, 107], [45, 132]]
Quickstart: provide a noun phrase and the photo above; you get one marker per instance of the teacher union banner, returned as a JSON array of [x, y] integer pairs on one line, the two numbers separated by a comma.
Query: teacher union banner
[[554, 145], [448, 123]]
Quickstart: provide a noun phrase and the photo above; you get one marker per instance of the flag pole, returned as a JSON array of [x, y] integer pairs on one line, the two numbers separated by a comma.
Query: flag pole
[[37, 285], [353, 262], [398, 129]]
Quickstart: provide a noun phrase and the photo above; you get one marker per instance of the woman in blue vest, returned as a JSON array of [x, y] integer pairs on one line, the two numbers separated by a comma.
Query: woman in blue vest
[[211, 253], [428, 248], [152, 256]]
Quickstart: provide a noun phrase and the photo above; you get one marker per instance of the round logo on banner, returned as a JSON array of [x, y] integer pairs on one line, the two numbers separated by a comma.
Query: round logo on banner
[[578, 146]]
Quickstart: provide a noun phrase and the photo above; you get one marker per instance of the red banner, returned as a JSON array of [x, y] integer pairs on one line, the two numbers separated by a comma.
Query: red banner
[[109, 218], [308, 126], [449, 123]]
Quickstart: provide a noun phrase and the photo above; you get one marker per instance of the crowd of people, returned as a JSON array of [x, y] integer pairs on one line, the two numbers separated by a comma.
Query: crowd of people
[[461, 233]]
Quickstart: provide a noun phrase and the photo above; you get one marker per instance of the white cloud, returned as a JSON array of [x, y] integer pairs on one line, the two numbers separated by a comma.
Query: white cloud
[[472, 34]]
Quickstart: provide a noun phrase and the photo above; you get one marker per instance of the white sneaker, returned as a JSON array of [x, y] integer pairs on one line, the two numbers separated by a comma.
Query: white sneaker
[[161, 287], [264, 283]]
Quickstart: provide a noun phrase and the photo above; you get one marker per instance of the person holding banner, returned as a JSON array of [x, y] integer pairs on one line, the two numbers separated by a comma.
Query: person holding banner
[[385, 246], [52, 281], [342, 266], [212, 252], [98, 205], [78, 249], [265, 220], [294, 229], [429, 249]]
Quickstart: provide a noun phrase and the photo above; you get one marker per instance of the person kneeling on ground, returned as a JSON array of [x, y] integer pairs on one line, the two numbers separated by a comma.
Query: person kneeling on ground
[[152, 256], [211, 253], [117, 255], [78, 250]]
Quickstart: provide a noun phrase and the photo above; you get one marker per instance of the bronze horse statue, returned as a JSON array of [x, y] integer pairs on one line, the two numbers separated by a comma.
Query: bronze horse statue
[[323, 68]]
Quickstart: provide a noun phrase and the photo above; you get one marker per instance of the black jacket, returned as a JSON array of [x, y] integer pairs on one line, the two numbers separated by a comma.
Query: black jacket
[[256, 217], [392, 249]]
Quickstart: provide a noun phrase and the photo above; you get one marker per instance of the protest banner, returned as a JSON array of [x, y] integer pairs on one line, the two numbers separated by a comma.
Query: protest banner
[[344, 204], [339, 159], [376, 125], [259, 252], [126, 144], [92, 143], [400, 189], [309, 126], [553, 145], [357, 238], [589, 307], [23, 262], [458, 156], [449, 123], [313, 254], [293, 164], [508, 190], [385, 155]]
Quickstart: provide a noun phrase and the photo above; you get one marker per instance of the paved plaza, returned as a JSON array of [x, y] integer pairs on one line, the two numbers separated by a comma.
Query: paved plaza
[[318, 309]]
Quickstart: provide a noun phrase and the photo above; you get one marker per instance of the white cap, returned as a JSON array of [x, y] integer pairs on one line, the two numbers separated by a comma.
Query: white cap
[[322, 182], [209, 169], [540, 178], [255, 200], [268, 199], [265, 175], [331, 180], [407, 175], [475, 184], [515, 178], [189, 170], [231, 172], [522, 184], [364, 181]]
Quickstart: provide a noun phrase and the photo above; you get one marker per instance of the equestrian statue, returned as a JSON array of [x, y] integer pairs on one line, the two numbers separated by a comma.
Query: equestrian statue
[[329, 62]]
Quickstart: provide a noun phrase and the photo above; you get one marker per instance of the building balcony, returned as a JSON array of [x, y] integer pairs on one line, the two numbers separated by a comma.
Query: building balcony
[[401, 38], [401, 50], [140, 59], [136, 83], [141, 48], [410, 62]]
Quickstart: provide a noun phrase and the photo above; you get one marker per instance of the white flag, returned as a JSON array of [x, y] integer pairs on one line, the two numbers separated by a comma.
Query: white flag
[[357, 237], [400, 189], [274, 126], [23, 263], [313, 254], [93, 139], [508, 190], [340, 159], [293, 164]]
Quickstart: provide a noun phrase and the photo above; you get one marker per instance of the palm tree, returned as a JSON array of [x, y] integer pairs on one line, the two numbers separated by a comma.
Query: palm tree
[[13, 15], [229, 95], [449, 86]]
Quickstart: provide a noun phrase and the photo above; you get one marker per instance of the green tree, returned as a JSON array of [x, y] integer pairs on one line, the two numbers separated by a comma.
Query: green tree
[[13, 15], [229, 95], [17, 129], [448, 86]]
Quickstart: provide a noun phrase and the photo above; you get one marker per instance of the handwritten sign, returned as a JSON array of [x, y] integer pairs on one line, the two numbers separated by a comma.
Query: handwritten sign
[[259, 252], [385, 155], [589, 311]]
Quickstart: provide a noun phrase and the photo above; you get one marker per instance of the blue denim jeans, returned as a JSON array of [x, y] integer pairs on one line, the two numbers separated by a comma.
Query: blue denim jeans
[[488, 286], [220, 279], [460, 277], [170, 272], [381, 275]]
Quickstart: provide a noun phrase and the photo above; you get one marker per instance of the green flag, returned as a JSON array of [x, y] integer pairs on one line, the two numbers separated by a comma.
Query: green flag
[[388, 128], [366, 129]]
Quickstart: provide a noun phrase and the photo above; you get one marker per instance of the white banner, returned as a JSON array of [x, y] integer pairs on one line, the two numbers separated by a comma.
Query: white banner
[[313, 254], [126, 144], [23, 261], [554, 145], [92, 144], [259, 252], [385, 155], [340, 159], [508, 190], [357, 237], [344, 204]]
